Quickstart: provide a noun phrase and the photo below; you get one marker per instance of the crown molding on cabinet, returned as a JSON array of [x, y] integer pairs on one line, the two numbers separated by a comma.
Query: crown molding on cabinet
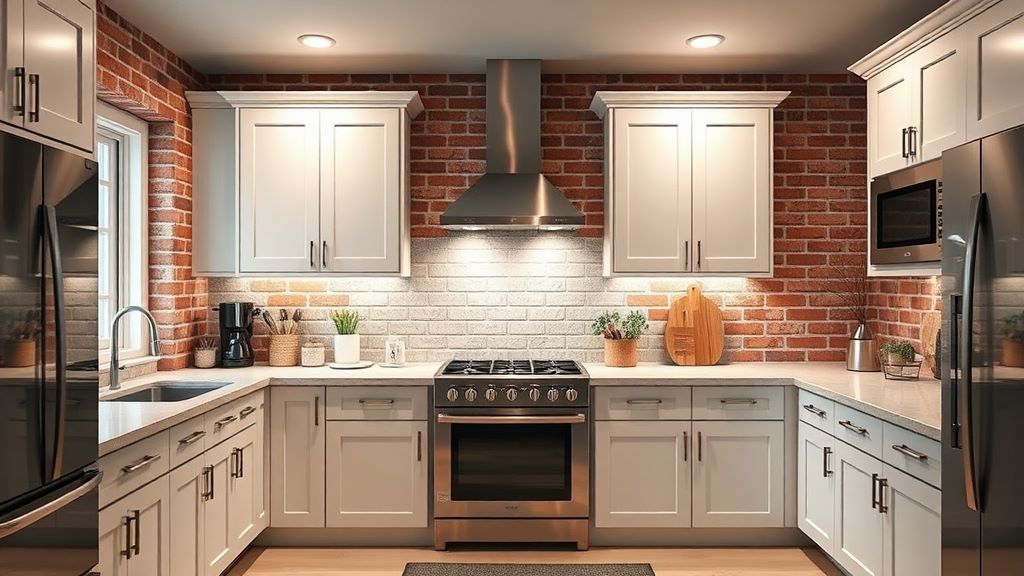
[[407, 100], [604, 100], [947, 17]]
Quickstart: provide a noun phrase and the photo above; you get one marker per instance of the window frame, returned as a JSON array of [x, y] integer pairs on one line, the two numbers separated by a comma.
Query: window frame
[[132, 264]]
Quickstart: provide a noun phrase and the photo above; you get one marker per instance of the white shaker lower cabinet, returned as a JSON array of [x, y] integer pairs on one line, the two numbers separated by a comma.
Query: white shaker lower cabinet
[[739, 474], [816, 486], [859, 524], [913, 526], [377, 474], [642, 474], [217, 510], [135, 533], [297, 461], [188, 491]]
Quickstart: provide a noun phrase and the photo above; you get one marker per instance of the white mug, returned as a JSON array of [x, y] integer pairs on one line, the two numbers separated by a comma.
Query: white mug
[[394, 351]]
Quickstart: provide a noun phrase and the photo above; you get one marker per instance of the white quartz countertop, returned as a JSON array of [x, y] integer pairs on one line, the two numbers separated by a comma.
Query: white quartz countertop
[[914, 405], [122, 423]]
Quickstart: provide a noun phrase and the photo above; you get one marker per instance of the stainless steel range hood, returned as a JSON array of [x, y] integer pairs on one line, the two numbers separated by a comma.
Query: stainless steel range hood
[[512, 195]]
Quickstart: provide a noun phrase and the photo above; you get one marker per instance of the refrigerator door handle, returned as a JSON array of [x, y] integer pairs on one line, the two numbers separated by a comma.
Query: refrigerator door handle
[[9, 527], [60, 363], [978, 206], [954, 305]]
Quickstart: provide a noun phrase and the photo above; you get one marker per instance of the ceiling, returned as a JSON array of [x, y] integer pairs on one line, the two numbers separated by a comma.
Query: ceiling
[[221, 36]]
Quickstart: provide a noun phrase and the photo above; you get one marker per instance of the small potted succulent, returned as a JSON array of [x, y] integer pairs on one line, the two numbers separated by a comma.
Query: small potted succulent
[[346, 342], [898, 352], [206, 352], [1013, 341], [620, 336]]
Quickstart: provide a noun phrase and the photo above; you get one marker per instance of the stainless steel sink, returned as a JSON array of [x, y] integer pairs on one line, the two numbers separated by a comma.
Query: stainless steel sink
[[170, 391]]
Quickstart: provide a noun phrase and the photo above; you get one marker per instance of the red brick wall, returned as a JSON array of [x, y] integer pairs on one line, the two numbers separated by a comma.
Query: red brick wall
[[137, 74], [897, 306]]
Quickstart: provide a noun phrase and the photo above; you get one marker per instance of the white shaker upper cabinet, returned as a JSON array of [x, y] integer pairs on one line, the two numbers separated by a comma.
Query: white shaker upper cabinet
[[688, 182], [13, 89], [362, 207], [940, 93], [995, 74], [890, 119], [279, 190], [732, 190], [652, 181]]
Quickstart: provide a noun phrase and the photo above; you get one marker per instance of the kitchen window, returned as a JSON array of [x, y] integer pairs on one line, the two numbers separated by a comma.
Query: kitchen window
[[122, 157]]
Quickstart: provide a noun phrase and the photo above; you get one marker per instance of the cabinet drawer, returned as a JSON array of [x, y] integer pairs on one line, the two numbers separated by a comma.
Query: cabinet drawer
[[912, 453], [642, 403], [133, 466], [187, 440], [859, 430], [230, 419], [738, 403], [377, 403], [817, 411]]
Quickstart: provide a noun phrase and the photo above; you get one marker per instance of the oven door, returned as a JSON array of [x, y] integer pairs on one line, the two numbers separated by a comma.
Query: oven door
[[511, 463]]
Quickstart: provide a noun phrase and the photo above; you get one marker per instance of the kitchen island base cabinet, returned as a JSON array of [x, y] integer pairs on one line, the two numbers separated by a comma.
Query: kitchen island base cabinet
[[816, 486], [298, 458], [642, 474], [135, 533], [739, 474], [377, 474]]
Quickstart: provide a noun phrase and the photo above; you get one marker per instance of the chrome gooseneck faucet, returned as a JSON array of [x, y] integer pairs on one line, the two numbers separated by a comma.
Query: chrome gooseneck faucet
[[154, 343]]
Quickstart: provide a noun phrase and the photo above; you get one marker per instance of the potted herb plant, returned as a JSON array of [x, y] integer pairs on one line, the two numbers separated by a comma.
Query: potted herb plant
[[346, 342], [1013, 341], [898, 352], [620, 336]]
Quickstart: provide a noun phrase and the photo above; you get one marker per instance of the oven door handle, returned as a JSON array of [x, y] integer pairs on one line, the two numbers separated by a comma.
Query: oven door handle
[[568, 419]]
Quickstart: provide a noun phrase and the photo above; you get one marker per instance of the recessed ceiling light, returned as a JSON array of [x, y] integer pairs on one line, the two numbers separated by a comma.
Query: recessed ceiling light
[[705, 41], [316, 40]]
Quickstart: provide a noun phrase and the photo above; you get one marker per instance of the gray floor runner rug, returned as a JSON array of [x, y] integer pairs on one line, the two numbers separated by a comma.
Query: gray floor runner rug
[[435, 569]]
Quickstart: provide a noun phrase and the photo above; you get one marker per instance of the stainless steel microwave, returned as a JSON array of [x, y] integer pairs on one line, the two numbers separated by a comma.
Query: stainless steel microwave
[[906, 215]]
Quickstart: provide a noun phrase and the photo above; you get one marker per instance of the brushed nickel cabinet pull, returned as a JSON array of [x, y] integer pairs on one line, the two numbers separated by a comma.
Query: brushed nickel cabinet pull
[[907, 450], [224, 421], [700, 447], [312, 246], [127, 552], [246, 411], [686, 253], [815, 410], [853, 427], [419, 446], [698, 255], [323, 255], [145, 461], [732, 401], [874, 491], [316, 411], [824, 462], [192, 438], [376, 401], [643, 402], [883, 483], [236, 463], [686, 446], [33, 115], [207, 492], [19, 90], [136, 546]]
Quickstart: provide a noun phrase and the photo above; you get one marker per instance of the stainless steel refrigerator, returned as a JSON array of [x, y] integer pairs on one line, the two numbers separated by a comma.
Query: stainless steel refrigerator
[[48, 357], [982, 392]]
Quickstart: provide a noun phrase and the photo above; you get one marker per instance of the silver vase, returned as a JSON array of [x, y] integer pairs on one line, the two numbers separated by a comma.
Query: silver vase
[[862, 352]]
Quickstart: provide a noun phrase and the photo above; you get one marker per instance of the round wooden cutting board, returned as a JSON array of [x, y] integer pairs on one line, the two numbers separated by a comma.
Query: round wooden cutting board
[[694, 335]]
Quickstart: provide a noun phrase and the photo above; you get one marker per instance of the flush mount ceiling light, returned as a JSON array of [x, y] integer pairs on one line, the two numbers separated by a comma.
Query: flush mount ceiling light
[[705, 41], [316, 40]]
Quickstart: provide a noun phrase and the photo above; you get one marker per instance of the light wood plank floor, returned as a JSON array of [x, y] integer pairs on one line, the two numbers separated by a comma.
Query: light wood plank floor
[[666, 562]]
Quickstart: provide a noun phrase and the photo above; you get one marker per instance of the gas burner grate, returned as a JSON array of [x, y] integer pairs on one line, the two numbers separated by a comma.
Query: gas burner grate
[[512, 367], [558, 367]]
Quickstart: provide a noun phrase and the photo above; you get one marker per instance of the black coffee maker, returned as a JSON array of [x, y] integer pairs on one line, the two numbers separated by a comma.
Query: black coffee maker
[[236, 334]]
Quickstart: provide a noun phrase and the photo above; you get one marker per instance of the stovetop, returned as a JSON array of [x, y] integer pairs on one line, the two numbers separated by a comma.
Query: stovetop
[[511, 384]]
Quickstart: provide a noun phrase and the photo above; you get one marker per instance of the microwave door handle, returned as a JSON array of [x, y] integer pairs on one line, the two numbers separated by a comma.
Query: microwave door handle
[[978, 207]]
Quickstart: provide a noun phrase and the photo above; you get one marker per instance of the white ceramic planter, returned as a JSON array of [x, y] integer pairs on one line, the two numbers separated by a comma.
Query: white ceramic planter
[[346, 348]]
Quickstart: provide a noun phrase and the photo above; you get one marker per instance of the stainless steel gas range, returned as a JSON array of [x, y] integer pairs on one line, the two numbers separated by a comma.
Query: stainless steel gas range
[[511, 452]]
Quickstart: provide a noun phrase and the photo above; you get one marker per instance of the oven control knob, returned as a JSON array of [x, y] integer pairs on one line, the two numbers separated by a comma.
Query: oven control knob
[[553, 395], [470, 395], [491, 394], [453, 394], [511, 394], [571, 394], [534, 393]]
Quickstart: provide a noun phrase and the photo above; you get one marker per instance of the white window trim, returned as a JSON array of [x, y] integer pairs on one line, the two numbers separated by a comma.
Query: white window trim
[[133, 176]]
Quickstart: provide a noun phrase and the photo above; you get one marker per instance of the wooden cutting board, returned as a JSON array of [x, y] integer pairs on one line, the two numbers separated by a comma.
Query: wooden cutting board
[[930, 324], [694, 335]]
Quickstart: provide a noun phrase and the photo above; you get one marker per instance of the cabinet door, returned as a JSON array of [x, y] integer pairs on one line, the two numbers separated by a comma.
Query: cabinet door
[[12, 62], [995, 76], [889, 114], [152, 536], [187, 490], [279, 190], [659, 497], [913, 526], [816, 486], [113, 540], [361, 190], [732, 190], [60, 61], [940, 92], [377, 474], [217, 531], [242, 522], [261, 468], [651, 190], [297, 457], [738, 476], [859, 524]]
